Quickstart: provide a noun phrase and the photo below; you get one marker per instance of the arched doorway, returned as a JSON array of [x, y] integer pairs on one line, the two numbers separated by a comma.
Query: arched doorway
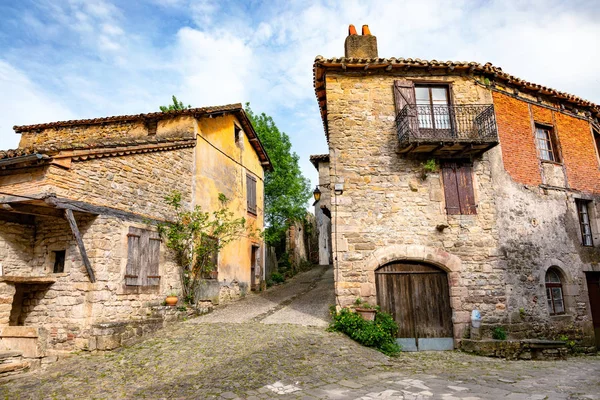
[[418, 297]]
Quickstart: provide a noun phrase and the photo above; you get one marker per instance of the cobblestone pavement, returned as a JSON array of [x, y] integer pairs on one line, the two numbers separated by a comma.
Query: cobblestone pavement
[[263, 356]]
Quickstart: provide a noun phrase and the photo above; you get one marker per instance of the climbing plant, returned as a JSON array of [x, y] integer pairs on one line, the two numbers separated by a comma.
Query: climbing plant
[[196, 236]]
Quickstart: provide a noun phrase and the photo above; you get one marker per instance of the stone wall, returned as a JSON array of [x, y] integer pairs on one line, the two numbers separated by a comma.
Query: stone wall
[[323, 221], [495, 260], [137, 183]]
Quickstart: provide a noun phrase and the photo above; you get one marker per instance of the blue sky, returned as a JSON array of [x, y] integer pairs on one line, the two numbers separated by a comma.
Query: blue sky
[[91, 58]]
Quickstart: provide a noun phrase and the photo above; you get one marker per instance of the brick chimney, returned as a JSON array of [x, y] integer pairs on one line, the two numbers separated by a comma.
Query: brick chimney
[[363, 46]]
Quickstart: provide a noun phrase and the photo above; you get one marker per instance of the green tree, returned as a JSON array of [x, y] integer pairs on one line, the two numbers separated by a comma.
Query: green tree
[[286, 189], [177, 105]]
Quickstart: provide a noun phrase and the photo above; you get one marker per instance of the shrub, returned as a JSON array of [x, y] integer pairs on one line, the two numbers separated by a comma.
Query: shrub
[[499, 333], [276, 277], [379, 334]]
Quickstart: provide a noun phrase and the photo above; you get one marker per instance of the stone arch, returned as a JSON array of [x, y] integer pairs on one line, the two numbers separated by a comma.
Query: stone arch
[[430, 255], [559, 266]]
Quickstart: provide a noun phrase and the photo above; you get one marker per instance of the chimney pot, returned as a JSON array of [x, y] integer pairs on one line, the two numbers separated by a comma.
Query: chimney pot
[[364, 46]]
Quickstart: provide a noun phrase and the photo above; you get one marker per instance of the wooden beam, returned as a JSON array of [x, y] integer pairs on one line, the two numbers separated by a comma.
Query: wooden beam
[[33, 210], [75, 230], [79, 206], [15, 218]]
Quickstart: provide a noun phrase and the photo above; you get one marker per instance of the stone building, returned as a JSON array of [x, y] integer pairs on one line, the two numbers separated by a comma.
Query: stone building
[[81, 262], [461, 188]]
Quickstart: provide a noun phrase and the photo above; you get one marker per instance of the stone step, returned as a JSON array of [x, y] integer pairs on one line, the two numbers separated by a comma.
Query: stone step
[[7, 355], [13, 368]]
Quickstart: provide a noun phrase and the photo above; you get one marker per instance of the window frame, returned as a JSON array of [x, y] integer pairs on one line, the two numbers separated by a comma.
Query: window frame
[[596, 138], [430, 86], [583, 211], [550, 141], [549, 286]]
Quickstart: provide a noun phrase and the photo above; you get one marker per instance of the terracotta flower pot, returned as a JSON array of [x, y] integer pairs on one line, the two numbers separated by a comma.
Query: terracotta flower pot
[[171, 300], [368, 314]]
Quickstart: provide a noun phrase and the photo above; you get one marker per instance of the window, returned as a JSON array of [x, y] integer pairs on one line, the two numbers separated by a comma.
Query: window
[[546, 143], [143, 250], [152, 126], [554, 293], [458, 188], [432, 107], [596, 131], [584, 221], [237, 133], [210, 257], [251, 193], [59, 261]]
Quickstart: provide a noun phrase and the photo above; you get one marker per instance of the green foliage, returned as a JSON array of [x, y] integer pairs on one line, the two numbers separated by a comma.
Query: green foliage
[[569, 342], [499, 333], [428, 167], [380, 334], [196, 237], [177, 105], [286, 190], [362, 304], [276, 277]]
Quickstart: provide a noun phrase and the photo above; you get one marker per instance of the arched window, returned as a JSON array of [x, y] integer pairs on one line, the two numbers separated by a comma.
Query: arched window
[[554, 293]]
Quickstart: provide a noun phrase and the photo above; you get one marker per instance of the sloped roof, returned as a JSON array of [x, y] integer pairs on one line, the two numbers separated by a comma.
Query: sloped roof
[[235, 109], [321, 64], [316, 158]]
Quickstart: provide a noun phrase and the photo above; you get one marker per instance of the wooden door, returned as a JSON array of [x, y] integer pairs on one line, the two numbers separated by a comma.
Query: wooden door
[[418, 298], [593, 284]]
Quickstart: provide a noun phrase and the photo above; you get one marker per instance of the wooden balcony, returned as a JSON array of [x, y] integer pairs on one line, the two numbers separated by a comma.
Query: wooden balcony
[[447, 130]]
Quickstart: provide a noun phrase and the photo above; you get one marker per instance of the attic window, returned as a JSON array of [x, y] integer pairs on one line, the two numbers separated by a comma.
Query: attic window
[[237, 132], [152, 126]]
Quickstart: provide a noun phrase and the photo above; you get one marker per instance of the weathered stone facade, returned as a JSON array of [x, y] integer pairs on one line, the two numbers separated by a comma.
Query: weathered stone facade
[[114, 176], [526, 220]]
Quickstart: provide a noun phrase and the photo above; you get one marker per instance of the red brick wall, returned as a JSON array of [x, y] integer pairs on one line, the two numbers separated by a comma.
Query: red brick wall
[[516, 138], [578, 152], [519, 151]]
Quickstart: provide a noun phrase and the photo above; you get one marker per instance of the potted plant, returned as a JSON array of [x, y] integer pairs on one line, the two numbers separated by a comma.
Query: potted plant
[[365, 310], [172, 299]]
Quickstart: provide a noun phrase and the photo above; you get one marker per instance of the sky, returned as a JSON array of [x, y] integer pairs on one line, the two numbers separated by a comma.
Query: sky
[[69, 59]]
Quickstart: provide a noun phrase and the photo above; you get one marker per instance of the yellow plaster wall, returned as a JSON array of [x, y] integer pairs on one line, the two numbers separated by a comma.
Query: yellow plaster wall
[[221, 167]]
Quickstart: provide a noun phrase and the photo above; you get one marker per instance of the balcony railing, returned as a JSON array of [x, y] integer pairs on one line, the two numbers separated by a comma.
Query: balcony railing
[[447, 129]]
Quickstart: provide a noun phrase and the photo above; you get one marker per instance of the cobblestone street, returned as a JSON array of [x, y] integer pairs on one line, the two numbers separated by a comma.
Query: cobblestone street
[[274, 345]]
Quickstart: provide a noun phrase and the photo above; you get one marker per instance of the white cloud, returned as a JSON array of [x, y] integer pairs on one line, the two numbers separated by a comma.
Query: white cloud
[[24, 103]]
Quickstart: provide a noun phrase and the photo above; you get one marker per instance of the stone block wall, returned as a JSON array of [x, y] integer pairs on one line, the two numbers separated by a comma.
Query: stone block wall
[[137, 183], [16, 248]]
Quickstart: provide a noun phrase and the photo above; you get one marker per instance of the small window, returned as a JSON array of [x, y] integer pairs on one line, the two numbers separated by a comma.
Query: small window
[[251, 193], [59, 261], [554, 293], [237, 133], [143, 251], [152, 126], [546, 143], [584, 221], [458, 188], [596, 131]]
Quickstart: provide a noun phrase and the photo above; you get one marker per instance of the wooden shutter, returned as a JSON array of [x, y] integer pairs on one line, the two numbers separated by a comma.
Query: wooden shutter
[[153, 259], [132, 272], [404, 93], [143, 253], [251, 193], [458, 188], [466, 194]]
